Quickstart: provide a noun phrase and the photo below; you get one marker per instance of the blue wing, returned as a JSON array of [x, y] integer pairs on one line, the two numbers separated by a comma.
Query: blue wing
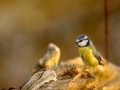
[[98, 58]]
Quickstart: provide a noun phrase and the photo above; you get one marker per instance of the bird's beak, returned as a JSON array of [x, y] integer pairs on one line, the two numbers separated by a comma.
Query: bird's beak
[[76, 42]]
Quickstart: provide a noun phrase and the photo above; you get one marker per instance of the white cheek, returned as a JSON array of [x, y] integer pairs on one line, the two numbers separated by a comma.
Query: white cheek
[[83, 43]]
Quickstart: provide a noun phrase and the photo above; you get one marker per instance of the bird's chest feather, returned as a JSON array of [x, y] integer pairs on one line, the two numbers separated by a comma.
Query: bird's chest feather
[[87, 56]]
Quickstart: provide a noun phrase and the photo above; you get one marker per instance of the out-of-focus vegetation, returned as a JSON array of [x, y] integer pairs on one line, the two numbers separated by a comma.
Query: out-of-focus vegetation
[[28, 26]]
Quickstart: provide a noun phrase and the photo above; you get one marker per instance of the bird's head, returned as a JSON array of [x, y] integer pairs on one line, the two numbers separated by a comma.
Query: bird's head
[[83, 41]]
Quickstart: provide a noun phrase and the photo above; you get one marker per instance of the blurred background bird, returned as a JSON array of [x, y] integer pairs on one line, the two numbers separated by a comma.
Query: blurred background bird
[[49, 60], [88, 52]]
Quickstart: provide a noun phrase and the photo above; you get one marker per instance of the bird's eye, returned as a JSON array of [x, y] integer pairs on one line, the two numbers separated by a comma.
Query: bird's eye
[[80, 40]]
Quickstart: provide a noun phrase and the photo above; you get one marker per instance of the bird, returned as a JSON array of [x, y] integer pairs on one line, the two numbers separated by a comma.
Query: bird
[[88, 52]]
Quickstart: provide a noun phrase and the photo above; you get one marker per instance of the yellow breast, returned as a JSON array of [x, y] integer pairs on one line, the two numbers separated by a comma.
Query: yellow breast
[[87, 56]]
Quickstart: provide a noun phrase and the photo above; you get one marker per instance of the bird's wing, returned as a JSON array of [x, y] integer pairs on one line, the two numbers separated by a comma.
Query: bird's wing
[[96, 55], [98, 58]]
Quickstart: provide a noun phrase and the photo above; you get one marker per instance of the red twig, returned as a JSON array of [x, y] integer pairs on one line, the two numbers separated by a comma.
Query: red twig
[[106, 28]]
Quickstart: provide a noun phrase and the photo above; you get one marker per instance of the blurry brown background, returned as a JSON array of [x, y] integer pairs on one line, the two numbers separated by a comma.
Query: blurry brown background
[[28, 26]]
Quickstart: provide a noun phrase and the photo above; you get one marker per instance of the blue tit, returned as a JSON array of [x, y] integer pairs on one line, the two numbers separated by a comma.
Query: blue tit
[[88, 52]]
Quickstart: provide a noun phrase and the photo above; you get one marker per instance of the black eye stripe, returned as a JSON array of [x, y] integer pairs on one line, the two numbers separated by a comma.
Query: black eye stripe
[[80, 40]]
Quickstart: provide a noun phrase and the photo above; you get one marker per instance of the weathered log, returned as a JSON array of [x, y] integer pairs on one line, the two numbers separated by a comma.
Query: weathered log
[[64, 78]]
